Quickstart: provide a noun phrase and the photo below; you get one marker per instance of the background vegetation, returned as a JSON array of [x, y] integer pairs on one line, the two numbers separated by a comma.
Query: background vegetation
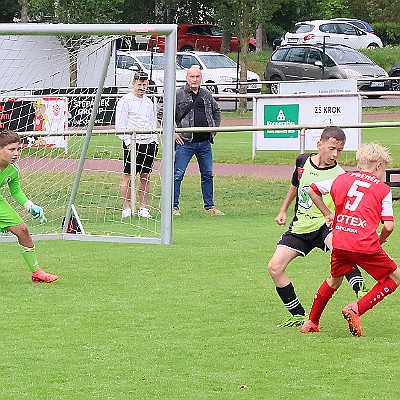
[[236, 16]]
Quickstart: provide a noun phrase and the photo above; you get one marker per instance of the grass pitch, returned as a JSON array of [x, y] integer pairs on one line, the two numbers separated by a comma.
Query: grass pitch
[[194, 320]]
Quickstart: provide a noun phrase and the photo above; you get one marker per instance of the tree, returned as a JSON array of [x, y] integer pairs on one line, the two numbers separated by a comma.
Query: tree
[[241, 18], [9, 9]]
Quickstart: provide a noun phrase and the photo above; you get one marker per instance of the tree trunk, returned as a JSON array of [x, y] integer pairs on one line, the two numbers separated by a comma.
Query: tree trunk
[[226, 41], [24, 10], [260, 42], [244, 46]]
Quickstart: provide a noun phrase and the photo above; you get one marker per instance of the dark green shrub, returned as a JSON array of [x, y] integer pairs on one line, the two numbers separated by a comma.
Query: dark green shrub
[[389, 32]]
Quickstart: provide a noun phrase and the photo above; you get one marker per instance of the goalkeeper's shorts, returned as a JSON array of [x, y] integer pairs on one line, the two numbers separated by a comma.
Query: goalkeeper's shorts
[[8, 216]]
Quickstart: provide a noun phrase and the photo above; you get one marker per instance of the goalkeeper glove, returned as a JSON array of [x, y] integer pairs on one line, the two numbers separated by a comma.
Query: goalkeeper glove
[[35, 211]]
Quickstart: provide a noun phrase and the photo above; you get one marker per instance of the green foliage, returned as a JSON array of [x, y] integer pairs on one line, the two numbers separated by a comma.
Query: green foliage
[[8, 10], [76, 11], [291, 11], [389, 32], [384, 10], [333, 8]]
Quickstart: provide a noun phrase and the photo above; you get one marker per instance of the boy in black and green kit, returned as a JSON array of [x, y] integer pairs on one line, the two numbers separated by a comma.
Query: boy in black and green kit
[[308, 229], [10, 145]]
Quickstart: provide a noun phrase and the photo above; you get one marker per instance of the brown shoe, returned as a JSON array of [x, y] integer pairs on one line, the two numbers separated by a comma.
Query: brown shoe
[[214, 211], [175, 212]]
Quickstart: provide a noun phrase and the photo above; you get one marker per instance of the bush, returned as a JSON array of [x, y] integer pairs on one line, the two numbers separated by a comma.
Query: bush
[[389, 32]]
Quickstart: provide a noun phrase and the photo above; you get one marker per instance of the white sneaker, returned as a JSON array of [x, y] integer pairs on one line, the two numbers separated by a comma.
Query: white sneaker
[[126, 212], [144, 212]]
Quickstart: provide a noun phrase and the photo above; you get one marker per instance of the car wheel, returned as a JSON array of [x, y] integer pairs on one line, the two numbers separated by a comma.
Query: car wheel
[[396, 82], [212, 88], [372, 46], [186, 48], [274, 87], [252, 47]]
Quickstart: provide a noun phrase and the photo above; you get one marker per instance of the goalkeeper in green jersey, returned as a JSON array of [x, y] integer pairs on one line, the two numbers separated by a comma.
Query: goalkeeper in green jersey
[[10, 145]]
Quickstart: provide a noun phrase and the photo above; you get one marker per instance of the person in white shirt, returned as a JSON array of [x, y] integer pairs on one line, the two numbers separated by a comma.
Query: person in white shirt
[[135, 111]]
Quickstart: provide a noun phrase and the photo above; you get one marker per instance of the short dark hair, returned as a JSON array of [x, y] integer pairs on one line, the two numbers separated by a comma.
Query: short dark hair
[[7, 136], [141, 76], [333, 132]]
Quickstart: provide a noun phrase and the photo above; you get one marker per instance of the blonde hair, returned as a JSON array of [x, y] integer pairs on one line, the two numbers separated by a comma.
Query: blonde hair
[[372, 153]]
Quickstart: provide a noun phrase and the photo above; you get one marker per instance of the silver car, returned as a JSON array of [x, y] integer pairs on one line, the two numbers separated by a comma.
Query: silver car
[[310, 62]]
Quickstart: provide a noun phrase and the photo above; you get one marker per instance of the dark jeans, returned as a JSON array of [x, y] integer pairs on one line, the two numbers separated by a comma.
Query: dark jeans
[[183, 155]]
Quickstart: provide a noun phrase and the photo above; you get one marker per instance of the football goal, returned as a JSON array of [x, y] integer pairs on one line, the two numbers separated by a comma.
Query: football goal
[[58, 91]]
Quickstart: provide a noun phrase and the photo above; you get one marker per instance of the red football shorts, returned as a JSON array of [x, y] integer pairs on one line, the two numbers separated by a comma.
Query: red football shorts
[[379, 265]]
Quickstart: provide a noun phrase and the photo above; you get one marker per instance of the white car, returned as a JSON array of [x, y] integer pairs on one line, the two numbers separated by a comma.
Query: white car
[[334, 32], [130, 62], [220, 73]]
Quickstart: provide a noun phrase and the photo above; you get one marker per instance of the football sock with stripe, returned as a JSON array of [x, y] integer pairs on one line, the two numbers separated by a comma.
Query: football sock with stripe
[[30, 257], [356, 280], [290, 300]]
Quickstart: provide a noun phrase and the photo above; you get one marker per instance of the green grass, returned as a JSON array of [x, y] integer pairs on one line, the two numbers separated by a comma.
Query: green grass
[[194, 320], [235, 147], [385, 56]]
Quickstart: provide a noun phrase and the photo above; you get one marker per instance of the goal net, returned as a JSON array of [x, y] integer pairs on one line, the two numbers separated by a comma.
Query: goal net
[[58, 91]]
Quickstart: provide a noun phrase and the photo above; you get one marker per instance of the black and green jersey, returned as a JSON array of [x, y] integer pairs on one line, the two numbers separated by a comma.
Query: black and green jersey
[[11, 176], [307, 217]]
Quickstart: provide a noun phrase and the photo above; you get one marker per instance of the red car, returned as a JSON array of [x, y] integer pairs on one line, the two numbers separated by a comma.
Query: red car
[[203, 37]]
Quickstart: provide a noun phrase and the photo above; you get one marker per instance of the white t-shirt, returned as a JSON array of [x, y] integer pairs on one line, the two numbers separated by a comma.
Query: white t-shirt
[[134, 113]]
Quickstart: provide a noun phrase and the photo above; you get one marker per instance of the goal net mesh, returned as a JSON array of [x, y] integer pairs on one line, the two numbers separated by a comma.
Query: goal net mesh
[[48, 89]]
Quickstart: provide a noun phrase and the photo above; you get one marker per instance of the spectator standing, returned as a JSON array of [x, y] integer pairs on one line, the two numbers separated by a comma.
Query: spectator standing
[[195, 107], [135, 111]]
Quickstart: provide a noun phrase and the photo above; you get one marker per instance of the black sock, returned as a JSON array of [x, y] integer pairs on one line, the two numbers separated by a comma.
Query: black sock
[[356, 281], [290, 300]]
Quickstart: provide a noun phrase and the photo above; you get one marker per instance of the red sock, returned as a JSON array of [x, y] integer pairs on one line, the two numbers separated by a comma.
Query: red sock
[[324, 294], [376, 294]]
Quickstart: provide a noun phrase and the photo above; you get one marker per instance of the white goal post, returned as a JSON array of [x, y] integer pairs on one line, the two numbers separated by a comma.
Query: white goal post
[[57, 90]]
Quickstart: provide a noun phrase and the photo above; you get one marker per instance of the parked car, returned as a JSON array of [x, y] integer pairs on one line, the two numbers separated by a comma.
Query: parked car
[[395, 71], [309, 62], [334, 32], [204, 37], [218, 70], [130, 62], [276, 43], [365, 26]]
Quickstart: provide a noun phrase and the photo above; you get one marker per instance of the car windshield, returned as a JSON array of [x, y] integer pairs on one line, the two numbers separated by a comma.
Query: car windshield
[[343, 57], [214, 61], [158, 62], [302, 28], [216, 31]]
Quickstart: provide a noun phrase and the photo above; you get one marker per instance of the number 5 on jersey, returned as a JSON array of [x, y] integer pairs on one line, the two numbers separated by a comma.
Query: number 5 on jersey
[[356, 194]]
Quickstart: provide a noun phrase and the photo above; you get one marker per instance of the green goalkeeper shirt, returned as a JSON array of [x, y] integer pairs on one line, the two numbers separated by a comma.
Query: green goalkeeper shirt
[[11, 176], [307, 217]]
